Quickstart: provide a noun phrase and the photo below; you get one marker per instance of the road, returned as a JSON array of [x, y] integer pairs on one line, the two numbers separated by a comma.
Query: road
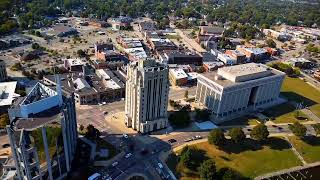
[[192, 44], [273, 130]]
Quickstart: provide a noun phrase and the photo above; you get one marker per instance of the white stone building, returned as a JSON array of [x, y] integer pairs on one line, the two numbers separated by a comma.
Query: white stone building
[[147, 89], [236, 90]]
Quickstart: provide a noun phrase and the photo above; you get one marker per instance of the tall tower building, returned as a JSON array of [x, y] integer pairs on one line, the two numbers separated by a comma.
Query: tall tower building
[[147, 91], [43, 134]]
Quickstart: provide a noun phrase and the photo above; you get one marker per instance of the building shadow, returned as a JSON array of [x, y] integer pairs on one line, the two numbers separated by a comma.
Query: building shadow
[[312, 140], [298, 98]]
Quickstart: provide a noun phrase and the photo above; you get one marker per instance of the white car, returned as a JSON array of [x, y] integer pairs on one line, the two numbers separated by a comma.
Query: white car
[[160, 165], [128, 155], [115, 164], [125, 136]]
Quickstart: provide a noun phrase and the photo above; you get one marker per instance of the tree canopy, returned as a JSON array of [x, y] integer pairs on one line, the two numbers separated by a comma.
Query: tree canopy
[[216, 137], [260, 132]]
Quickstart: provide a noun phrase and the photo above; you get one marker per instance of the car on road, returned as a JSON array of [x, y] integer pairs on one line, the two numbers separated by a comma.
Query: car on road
[[5, 145], [105, 112], [196, 137], [160, 165], [274, 126], [94, 176], [115, 164], [188, 140], [249, 129], [128, 155], [280, 128], [125, 136], [171, 141]]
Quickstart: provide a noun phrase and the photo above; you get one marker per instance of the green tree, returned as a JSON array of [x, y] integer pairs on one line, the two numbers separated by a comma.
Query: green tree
[[4, 120], [81, 53], [237, 135], [260, 132], [192, 157], [216, 137], [229, 174], [179, 119], [316, 128], [208, 170], [298, 129]]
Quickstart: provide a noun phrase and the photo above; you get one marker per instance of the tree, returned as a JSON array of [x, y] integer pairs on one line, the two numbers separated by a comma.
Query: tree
[[92, 132], [316, 128], [298, 129], [81, 128], [179, 119], [81, 53], [4, 120], [186, 94], [216, 137], [271, 43], [208, 170], [35, 46], [237, 135], [260, 132], [192, 157], [229, 174]]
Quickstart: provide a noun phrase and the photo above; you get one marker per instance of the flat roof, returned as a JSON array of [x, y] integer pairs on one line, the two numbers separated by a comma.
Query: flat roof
[[75, 62], [7, 93], [244, 72], [228, 76], [178, 73]]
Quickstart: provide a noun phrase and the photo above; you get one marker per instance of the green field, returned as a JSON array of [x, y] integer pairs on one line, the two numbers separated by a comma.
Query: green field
[[250, 159], [297, 90], [285, 113], [309, 147]]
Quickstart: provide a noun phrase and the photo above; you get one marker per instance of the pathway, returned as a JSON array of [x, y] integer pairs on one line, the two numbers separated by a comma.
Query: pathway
[[296, 152]]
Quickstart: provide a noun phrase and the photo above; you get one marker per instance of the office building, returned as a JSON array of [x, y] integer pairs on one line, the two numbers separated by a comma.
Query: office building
[[236, 90], [43, 133], [147, 89]]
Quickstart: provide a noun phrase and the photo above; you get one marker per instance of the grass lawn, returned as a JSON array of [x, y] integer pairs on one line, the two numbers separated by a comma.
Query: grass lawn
[[250, 159], [245, 120], [297, 90], [309, 147], [285, 113]]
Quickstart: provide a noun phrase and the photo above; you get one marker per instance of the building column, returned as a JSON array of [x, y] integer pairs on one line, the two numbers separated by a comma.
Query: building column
[[46, 150]]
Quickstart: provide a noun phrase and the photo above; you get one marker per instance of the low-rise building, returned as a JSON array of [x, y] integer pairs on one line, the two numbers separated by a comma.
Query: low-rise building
[[178, 77], [98, 23], [281, 36], [237, 90], [207, 32], [121, 23], [7, 95], [237, 55], [254, 54], [227, 59], [146, 26], [74, 65], [299, 62], [90, 89], [61, 30], [212, 65], [181, 57]]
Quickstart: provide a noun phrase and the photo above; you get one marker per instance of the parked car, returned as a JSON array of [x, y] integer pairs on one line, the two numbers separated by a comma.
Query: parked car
[[128, 155], [160, 165], [115, 163], [172, 141], [125, 136]]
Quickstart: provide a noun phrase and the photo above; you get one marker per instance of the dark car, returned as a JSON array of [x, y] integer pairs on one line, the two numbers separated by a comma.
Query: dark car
[[172, 141]]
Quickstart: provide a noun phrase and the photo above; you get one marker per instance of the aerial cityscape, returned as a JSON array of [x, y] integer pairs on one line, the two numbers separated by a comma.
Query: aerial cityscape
[[159, 90]]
